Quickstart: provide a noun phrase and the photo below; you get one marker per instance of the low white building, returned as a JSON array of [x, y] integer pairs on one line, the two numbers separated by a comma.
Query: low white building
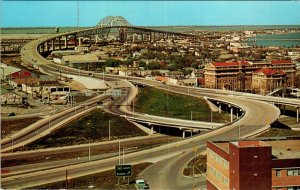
[[85, 61]]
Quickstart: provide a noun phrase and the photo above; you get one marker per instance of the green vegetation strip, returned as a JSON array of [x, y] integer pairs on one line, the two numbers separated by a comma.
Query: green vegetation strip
[[94, 127], [168, 104]]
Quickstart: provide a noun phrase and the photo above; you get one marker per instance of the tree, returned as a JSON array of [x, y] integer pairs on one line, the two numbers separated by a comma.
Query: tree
[[112, 63]]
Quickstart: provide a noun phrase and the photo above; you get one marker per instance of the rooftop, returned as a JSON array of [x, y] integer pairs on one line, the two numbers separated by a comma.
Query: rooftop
[[281, 149], [247, 144], [269, 72], [8, 69], [281, 61], [230, 64], [285, 149], [81, 58]]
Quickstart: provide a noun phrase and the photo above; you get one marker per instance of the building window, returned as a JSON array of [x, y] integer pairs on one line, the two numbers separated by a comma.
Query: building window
[[278, 173], [293, 172]]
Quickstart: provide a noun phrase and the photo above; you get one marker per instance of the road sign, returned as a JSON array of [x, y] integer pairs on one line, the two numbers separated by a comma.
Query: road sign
[[123, 170]]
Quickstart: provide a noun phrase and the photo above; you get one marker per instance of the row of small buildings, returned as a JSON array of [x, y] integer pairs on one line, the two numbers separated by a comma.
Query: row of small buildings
[[38, 86]]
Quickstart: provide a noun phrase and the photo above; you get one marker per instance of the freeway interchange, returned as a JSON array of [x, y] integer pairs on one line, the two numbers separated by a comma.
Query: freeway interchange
[[258, 114]]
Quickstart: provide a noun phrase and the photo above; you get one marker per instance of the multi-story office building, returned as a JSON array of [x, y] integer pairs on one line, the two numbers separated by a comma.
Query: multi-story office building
[[242, 76], [253, 165]]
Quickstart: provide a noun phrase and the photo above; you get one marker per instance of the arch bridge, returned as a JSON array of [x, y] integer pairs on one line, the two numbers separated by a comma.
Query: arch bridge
[[126, 33]]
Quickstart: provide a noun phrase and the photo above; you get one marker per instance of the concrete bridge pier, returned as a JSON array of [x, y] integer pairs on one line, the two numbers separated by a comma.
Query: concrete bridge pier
[[41, 48], [152, 36], [46, 46], [231, 114], [66, 42], [80, 41], [59, 43], [90, 43], [297, 114], [52, 44], [183, 134]]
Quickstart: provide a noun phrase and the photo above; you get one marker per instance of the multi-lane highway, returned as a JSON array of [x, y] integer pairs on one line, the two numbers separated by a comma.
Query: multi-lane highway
[[257, 117]]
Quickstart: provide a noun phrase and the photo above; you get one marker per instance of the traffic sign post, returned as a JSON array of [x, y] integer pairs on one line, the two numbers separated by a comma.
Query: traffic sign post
[[123, 170]]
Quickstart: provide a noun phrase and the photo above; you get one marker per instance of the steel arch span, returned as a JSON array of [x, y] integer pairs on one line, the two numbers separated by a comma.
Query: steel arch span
[[112, 21]]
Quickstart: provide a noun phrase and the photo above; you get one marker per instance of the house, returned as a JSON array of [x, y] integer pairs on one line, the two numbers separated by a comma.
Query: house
[[41, 87], [7, 70], [20, 74], [9, 98]]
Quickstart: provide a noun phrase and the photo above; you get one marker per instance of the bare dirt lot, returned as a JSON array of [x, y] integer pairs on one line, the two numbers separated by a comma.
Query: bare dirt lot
[[10, 126]]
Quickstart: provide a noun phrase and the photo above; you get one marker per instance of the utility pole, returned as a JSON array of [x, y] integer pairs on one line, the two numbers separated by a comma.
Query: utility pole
[[109, 121], [89, 150], [103, 74], [119, 152], [66, 179]]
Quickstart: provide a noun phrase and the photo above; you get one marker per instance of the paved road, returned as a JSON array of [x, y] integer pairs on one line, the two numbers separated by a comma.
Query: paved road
[[256, 118], [46, 125], [256, 123]]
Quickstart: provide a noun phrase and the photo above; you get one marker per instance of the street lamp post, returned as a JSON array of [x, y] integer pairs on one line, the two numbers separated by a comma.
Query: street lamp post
[[89, 149], [109, 121], [119, 152], [239, 124], [49, 125], [103, 74]]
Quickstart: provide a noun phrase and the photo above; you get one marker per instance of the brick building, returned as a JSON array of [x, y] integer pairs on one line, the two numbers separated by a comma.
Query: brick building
[[252, 165], [267, 80], [238, 76]]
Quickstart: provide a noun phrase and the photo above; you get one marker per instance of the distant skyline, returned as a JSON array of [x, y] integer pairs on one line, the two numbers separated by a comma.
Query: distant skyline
[[150, 13]]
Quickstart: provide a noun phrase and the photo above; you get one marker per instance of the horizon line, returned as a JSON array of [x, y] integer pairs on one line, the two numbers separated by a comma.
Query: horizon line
[[159, 26]]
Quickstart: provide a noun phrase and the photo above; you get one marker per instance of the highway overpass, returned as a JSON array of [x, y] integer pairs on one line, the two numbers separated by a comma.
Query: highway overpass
[[258, 115]]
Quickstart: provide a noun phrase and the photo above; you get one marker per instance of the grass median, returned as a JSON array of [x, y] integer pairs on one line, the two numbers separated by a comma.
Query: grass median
[[93, 127], [168, 104]]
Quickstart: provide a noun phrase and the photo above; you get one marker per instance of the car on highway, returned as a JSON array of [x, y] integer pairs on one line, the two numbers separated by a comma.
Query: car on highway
[[11, 114], [146, 186], [141, 184]]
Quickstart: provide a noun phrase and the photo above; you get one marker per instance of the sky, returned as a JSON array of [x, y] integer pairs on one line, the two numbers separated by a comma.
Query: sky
[[149, 13]]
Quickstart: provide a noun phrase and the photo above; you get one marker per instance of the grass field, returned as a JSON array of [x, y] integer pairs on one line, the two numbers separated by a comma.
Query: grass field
[[162, 103], [9, 127], [281, 128], [93, 127]]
